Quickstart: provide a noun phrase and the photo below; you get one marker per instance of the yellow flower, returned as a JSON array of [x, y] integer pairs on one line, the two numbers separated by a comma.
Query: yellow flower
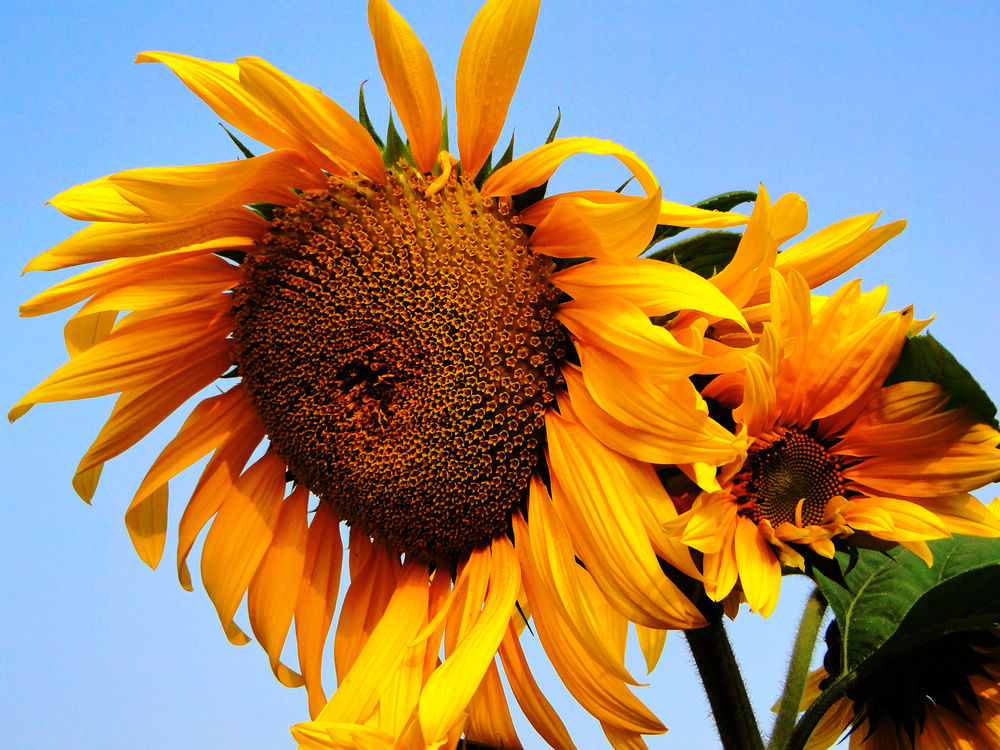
[[391, 340], [832, 452], [944, 696]]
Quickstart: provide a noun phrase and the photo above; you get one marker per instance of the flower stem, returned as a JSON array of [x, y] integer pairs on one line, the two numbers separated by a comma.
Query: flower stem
[[798, 670], [724, 686]]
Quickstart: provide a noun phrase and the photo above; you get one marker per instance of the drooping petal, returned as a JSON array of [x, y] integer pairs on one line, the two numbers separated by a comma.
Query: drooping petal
[[535, 167], [607, 534], [339, 141], [529, 697], [146, 522], [317, 599], [651, 642], [489, 65], [239, 538], [489, 721], [410, 80], [271, 600], [450, 688]]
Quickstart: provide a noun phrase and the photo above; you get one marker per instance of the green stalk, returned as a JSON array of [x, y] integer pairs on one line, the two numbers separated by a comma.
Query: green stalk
[[798, 670], [724, 686]]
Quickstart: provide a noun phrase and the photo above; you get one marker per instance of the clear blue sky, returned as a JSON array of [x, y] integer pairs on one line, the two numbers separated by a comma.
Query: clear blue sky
[[856, 106]]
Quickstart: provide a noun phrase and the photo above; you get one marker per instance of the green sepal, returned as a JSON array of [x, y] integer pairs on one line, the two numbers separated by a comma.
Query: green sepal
[[704, 254], [444, 129], [555, 126], [264, 210], [246, 152], [395, 148], [894, 603], [508, 156], [484, 171], [924, 359], [365, 120], [722, 202]]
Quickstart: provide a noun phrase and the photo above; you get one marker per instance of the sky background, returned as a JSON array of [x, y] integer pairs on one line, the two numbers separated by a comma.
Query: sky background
[[858, 107]]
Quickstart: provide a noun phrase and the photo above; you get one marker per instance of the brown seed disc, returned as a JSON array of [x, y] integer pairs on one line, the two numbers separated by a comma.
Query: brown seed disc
[[401, 350], [777, 476]]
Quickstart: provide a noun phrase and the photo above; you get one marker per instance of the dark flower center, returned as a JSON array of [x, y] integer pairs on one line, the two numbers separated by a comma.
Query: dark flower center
[[401, 349], [789, 480]]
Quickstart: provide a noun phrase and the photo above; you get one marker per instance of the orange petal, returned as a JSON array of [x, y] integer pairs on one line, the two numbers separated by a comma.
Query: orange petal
[[577, 227], [272, 595], [537, 166], [489, 65], [105, 240], [529, 697], [317, 598], [146, 522], [218, 85], [410, 80], [341, 143], [85, 329]]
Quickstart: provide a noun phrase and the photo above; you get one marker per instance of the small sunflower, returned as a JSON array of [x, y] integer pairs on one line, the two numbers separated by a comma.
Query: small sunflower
[[391, 338], [943, 696], [833, 454]]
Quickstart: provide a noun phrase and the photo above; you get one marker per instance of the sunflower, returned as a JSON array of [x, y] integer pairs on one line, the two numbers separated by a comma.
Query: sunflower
[[382, 327], [943, 696], [834, 454]]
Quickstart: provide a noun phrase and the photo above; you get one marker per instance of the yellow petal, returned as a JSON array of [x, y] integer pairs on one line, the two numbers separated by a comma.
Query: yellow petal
[[449, 689], [146, 521], [651, 642], [360, 690], [489, 721], [577, 227], [272, 595], [537, 166], [602, 695], [138, 411], [622, 329], [217, 481], [372, 584], [341, 143], [218, 85], [674, 214], [760, 573], [239, 538], [317, 599], [85, 329], [169, 193], [97, 200], [529, 697], [106, 240], [655, 287], [489, 65], [789, 216], [607, 533], [754, 258], [136, 356], [196, 271], [410, 81]]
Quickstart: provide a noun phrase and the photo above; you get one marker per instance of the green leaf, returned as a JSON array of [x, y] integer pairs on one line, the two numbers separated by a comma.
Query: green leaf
[[246, 152], [364, 119], [924, 359], [395, 148], [722, 202], [893, 603], [704, 254]]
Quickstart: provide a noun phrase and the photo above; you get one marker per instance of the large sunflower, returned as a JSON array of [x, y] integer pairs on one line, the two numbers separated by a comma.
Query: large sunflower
[[833, 454], [388, 333]]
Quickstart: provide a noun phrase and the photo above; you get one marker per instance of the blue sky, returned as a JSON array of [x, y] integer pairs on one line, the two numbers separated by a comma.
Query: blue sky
[[857, 106]]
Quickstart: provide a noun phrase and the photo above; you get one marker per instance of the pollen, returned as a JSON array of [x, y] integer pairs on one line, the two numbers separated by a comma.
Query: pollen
[[400, 347], [789, 480]]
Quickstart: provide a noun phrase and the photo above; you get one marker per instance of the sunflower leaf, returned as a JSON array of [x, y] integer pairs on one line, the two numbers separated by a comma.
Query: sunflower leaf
[[364, 119], [704, 253], [894, 603], [924, 359], [721, 202]]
